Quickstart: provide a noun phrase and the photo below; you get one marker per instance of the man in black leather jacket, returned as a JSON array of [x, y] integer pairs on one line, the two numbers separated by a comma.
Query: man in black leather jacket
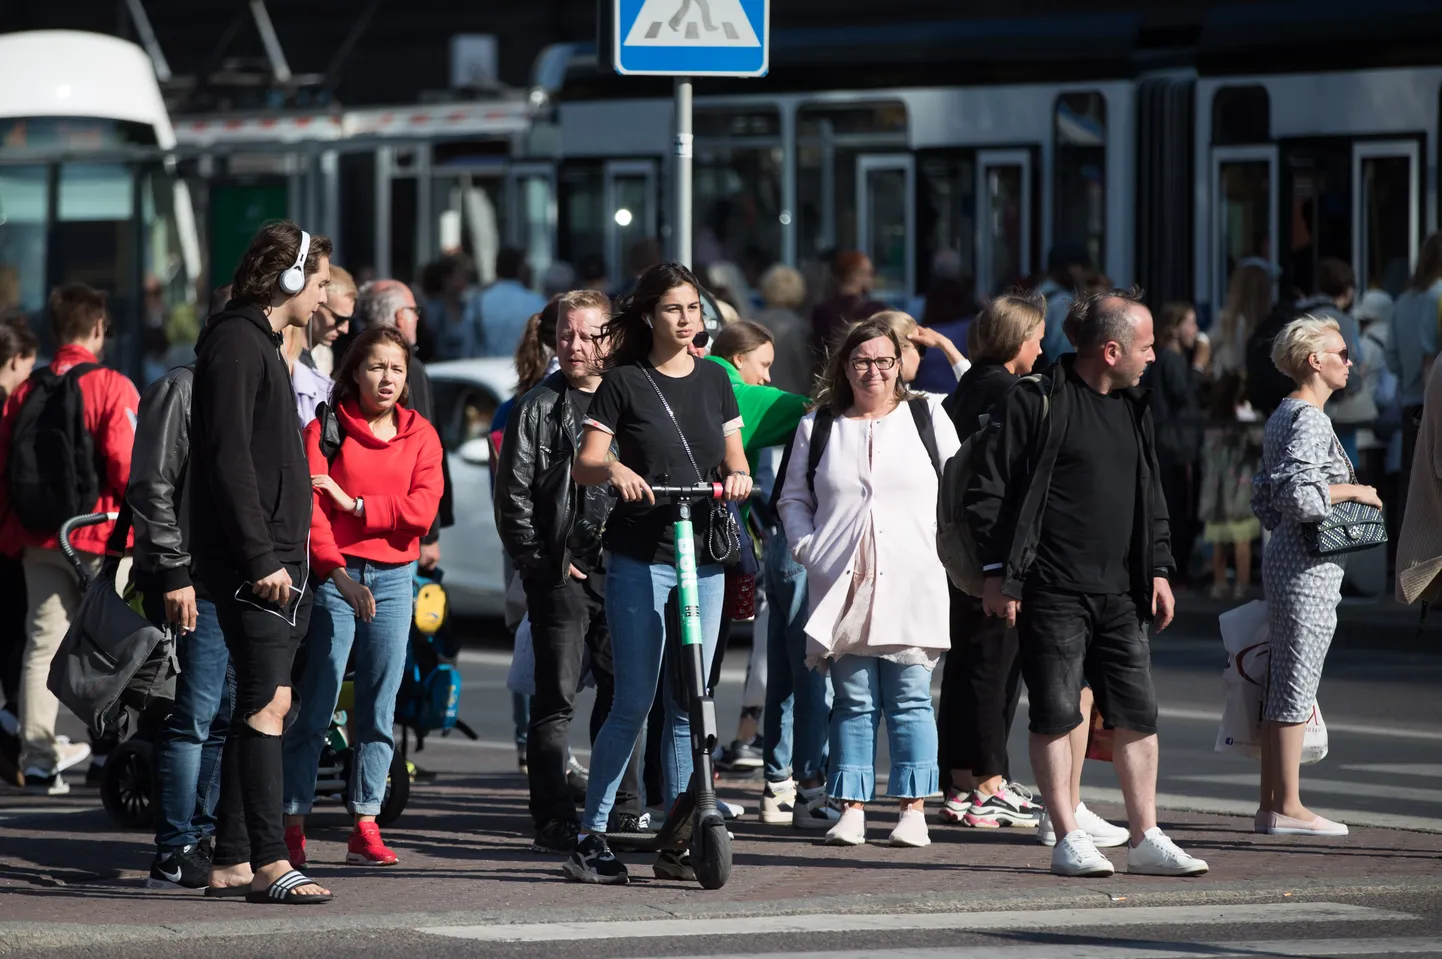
[[552, 531]]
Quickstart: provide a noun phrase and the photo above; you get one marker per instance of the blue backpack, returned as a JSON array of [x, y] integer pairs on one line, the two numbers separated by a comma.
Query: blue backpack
[[430, 693]]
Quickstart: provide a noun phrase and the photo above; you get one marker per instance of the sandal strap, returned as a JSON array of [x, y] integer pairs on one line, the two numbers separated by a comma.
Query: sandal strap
[[291, 880]]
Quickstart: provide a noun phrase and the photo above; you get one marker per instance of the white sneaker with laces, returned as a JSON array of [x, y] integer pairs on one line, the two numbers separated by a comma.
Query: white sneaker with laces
[[1159, 856], [68, 754], [777, 802], [1077, 855], [1104, 835], [850, 829]]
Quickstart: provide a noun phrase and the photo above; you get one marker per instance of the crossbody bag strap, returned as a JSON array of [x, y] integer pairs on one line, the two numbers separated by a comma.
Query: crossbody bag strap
[[667, 407]]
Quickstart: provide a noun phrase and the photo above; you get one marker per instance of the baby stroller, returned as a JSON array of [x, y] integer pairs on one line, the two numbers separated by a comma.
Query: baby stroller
[[115, 670]]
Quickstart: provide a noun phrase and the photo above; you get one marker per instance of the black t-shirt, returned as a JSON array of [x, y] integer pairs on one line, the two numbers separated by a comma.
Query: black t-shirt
[[626, 406], [580, 401], [585, 551], [1086, 529]]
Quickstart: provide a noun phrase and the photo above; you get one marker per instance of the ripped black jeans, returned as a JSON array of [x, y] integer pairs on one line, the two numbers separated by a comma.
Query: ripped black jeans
[[262, 644]]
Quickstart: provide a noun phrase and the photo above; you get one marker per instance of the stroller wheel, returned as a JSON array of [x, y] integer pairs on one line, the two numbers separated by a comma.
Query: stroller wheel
[[398, 791], [126, 787]]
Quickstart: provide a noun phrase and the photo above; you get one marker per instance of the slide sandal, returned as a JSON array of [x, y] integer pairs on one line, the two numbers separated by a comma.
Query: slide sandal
[[282, 891], [227, 892]]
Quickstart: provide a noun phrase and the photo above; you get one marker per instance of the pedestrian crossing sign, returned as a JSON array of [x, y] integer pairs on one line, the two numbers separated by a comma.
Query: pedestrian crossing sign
[[696, 38]]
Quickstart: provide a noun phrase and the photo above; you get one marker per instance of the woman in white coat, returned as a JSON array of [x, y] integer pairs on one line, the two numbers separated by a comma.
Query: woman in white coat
[[865, 529]]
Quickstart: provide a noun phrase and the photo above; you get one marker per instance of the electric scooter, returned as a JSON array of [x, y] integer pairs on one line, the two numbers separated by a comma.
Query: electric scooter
[[694, 821]]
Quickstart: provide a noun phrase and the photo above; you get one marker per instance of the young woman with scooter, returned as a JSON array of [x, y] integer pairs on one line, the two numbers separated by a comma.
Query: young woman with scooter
[[674, 421]]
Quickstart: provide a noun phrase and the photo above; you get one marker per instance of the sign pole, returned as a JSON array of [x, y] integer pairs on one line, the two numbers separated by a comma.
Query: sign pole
[[684, 140]]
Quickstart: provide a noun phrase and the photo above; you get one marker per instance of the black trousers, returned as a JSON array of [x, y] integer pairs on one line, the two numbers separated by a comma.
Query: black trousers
[[1180, 489], [12, 629], [262, 645], [980, 688], [568, 619]]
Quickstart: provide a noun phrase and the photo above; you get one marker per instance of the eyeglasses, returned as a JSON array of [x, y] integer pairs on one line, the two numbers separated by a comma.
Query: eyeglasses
[[863, 363]]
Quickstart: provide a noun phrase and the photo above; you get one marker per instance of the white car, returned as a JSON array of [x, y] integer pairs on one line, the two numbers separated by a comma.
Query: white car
[[467, 395]]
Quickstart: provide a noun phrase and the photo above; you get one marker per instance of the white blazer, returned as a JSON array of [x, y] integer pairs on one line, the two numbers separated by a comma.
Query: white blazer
[[897, 488]]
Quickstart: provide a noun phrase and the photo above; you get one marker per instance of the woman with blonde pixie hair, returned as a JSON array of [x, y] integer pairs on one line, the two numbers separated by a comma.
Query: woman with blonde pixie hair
[[1305, 472]]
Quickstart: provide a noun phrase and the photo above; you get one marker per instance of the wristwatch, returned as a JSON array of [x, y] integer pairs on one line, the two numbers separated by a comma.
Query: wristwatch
[[360, 506]]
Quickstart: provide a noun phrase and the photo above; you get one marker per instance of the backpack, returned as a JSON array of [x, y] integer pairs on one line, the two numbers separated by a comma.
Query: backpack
[[331, 435], [820, 433], [430, 695], [52, 468], [954, 542]]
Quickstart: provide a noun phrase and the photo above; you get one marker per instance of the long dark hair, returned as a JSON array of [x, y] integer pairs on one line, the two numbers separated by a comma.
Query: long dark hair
[[16, 338], [346, 387], [834, 390], [537, 346], [628, 334], [1429, 263]]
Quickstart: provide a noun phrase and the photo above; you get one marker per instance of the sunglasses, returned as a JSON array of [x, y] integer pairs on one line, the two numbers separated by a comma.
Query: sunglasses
[[1341, 354]]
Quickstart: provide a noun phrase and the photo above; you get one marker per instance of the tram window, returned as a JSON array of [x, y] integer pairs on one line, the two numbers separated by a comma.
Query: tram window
[[357, 248], [479, 202], [403, 228], [93, 242], [737, 174], [945, 211], [1386, 223], [830, 138], [172, 312], [1244, 189], [582, 213], [1241, 115], [1080, 197], [1318, 221], [24, 226]]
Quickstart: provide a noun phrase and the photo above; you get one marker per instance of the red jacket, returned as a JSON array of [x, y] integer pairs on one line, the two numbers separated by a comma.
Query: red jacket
[[400, 481], [111, 401]]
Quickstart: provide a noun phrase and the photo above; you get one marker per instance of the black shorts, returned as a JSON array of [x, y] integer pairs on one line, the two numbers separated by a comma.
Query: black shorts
[[1068, 636], [262, 640]]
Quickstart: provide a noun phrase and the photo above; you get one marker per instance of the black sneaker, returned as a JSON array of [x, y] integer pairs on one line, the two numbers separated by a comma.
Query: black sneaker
[[675, 864], [206, 849], [739, 757], [623, 822], [556, 837], [183, 868], [10, 759], [593, 862]]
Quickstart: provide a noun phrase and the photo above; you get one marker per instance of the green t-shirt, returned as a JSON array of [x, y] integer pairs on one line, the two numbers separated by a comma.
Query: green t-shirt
[[768, 415]]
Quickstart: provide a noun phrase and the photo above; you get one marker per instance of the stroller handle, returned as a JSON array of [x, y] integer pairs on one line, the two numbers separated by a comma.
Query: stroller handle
[[68, 549]]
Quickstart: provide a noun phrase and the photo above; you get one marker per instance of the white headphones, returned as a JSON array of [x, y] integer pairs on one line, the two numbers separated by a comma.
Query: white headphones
[[292, 281]]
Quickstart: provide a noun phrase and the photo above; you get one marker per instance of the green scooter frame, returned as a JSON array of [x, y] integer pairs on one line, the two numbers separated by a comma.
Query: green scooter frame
[[694, 821]]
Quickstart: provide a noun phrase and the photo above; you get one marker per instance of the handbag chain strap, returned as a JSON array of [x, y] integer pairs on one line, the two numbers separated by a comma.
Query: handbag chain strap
[[667, 407]]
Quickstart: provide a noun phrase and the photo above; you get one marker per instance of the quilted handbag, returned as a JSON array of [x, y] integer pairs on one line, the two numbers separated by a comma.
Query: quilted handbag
[[1349, 527]]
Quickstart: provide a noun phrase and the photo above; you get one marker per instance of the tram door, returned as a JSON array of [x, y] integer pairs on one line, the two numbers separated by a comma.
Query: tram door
[[1244, 218], [886, 222], [531, 214], [1386, 212], [631, 202], [1004, 226]]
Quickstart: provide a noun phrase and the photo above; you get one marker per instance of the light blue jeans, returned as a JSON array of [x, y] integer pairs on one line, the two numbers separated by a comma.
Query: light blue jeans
[[865, 688], [798, 700], [380, 661], [636, 595]]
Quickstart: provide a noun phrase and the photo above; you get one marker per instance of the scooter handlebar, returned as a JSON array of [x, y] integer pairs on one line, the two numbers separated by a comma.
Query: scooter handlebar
[[709, 490]]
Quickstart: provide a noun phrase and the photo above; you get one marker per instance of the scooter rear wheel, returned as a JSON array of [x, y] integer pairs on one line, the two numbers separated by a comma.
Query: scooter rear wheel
[[711, 855]]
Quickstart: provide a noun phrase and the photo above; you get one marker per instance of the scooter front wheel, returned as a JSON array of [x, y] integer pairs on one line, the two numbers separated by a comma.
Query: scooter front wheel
[[711, 855]]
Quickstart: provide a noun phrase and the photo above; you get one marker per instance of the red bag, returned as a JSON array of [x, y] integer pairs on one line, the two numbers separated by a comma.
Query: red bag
[[1099, 739], [740, 602]]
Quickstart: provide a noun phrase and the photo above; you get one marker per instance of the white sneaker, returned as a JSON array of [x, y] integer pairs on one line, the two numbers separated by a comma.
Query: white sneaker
[[813, 809], [40, 783], [777, 802], [911, 830], [1077, 855], [730, 810], [69, 754], [1159, 856], [850, 829], [1103, 834]]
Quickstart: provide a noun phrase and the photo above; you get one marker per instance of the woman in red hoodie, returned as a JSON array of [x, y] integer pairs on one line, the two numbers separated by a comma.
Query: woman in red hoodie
[[374, 499]]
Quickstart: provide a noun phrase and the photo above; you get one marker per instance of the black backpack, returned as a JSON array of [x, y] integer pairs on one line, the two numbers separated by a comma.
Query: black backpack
[[821, 433], [52, 468]]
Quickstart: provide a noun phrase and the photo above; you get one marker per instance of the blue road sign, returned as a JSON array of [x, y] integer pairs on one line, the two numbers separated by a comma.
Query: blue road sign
[[698, 38]]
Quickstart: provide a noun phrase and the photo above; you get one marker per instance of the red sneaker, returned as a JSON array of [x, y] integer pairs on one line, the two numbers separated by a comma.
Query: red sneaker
[[295, 845], [366, 847]]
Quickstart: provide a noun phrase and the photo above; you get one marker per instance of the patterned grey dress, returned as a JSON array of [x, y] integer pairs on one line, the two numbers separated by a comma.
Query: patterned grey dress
[[1301, 457]]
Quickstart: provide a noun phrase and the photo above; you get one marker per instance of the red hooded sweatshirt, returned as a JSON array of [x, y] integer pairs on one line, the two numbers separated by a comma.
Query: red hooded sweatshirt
[[399, 479]]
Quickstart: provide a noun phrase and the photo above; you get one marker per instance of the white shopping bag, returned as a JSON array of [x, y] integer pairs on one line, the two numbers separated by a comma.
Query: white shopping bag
[[522, 676], [1244, 686]]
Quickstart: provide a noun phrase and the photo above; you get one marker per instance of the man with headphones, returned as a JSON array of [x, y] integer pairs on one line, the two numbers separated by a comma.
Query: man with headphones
[[251, 506]]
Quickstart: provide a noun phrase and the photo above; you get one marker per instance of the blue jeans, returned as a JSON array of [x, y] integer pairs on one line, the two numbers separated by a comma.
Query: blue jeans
[[187, 749], [636, 596], [798, 700], [380, 661], [865, 688]]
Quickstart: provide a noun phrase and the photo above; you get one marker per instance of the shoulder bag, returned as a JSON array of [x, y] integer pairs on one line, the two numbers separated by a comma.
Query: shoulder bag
[[1349, 527], [723, 539]]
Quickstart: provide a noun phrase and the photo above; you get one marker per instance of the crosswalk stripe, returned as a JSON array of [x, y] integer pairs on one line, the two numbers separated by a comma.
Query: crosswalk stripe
[[1399, 769], [1305, 948], [967, 921], [1335, 787], [1182, 802]]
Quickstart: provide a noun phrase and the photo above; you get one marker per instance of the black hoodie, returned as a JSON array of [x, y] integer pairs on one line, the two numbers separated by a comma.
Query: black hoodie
[[251, 493], [979, 390]]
